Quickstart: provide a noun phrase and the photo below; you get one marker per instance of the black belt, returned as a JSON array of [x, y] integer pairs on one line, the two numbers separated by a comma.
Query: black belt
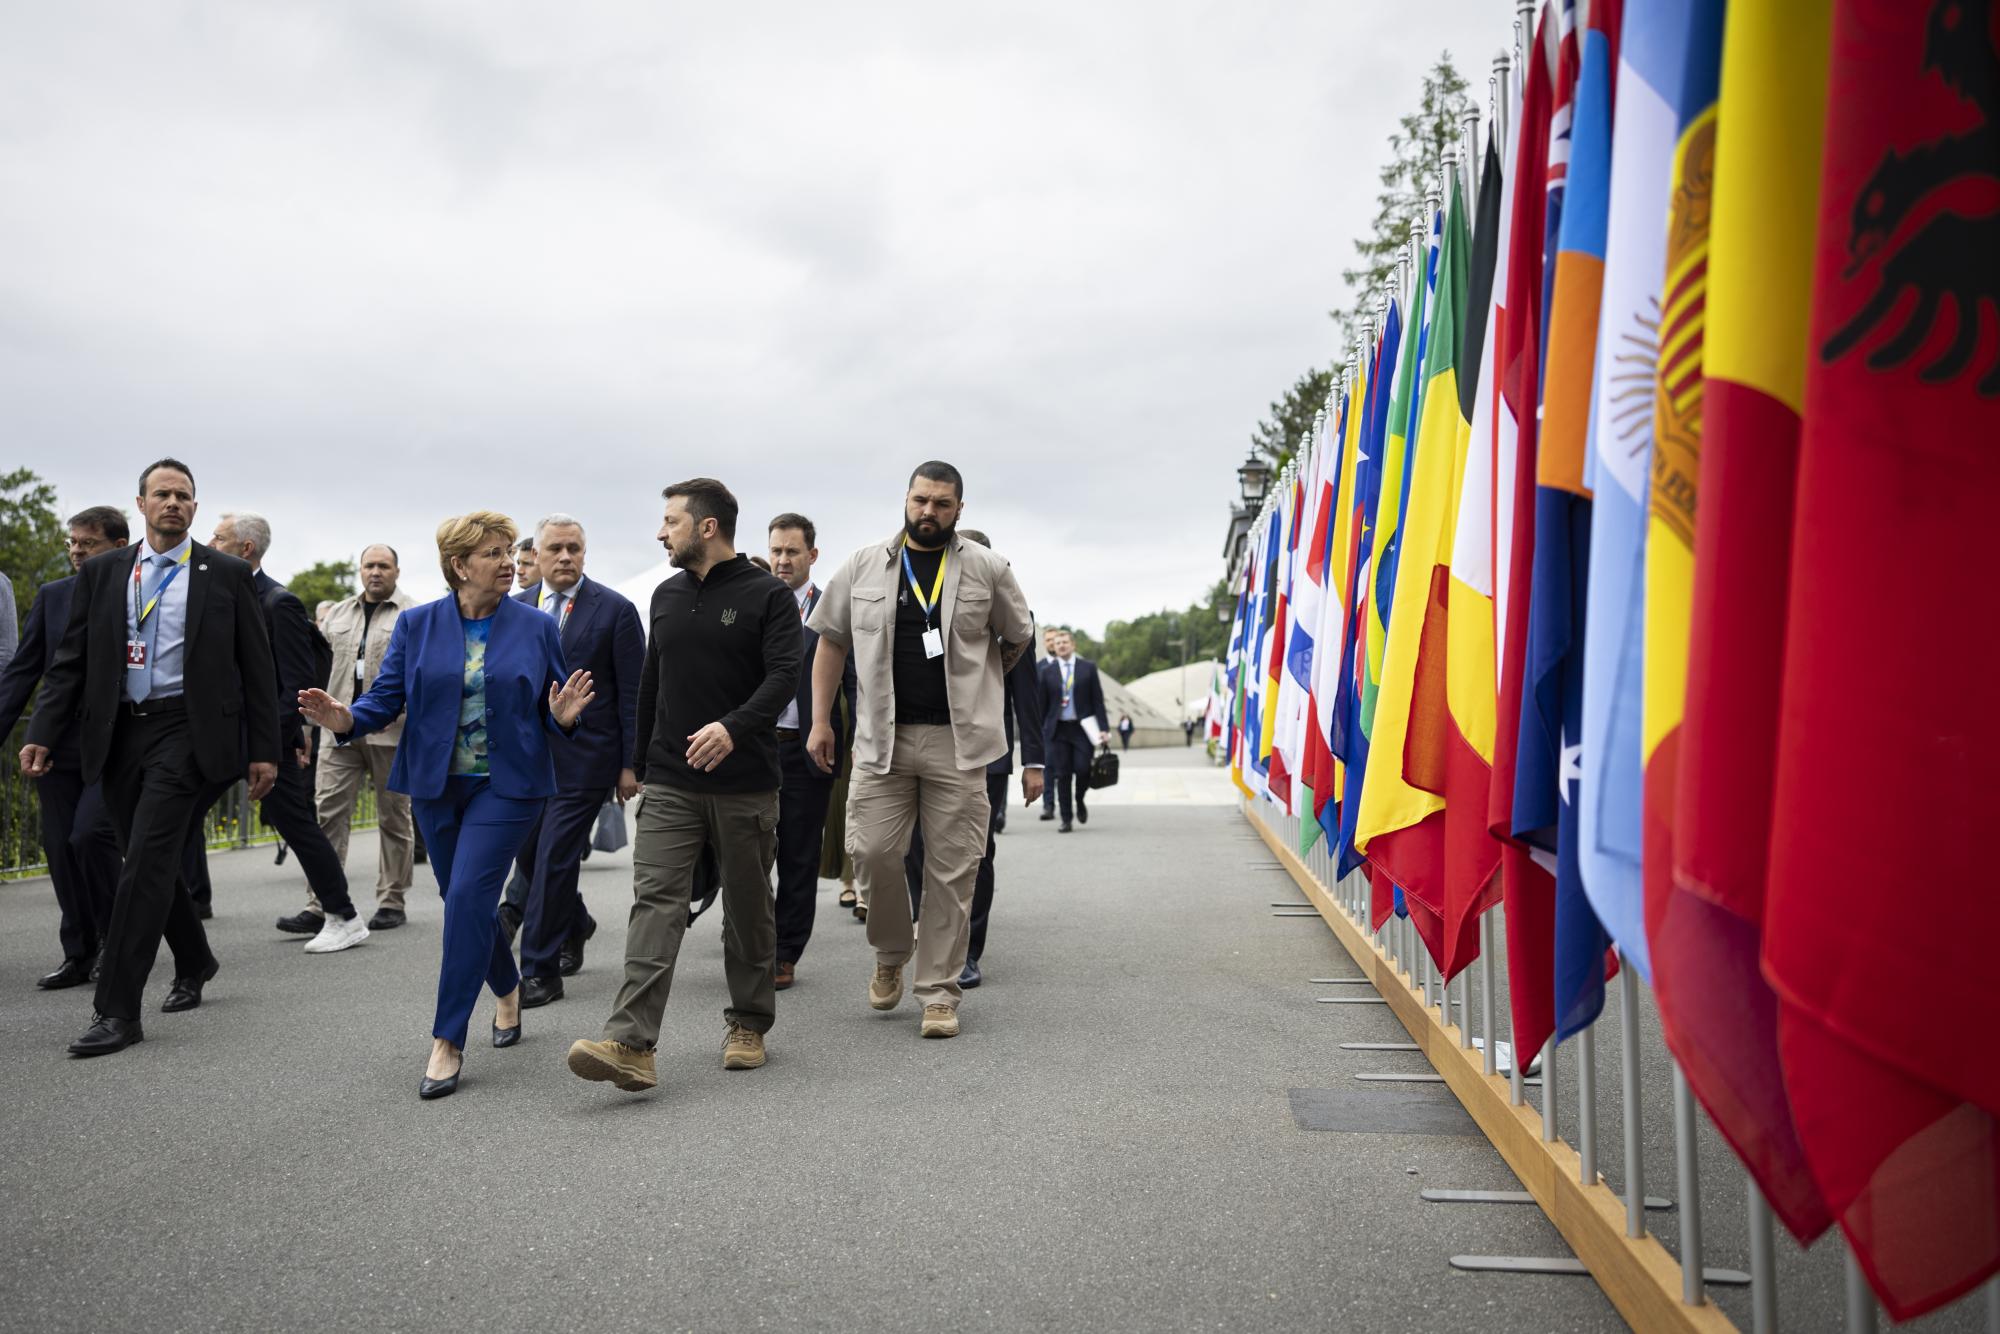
[[787, 733], [153, 708], [923, 718]]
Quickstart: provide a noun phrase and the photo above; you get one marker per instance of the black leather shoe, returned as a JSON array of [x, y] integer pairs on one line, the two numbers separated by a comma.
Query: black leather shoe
[[204, 911], [1082, 811], [569, 959], [106, 1035], [506, 1037], [510, 922], [1064, 828], [428, 1088], [70, 973], [1048, 815], [185, 994], [386, 919], [97, 966], [306, 923], [539, 991], [971, 977]]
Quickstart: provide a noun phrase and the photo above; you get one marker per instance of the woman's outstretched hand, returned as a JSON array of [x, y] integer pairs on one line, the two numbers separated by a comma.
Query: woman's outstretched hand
[[568, 701], [323, 710]]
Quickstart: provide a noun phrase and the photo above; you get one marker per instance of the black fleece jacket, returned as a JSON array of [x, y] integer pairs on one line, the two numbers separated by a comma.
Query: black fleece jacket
[[724, 648]]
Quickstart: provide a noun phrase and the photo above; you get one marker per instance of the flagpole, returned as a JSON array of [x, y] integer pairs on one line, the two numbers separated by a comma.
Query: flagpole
[[1586, 1105], [1628, 1053], [1860, 1302], [1491, 1064], [1524, 38], [1688, 1178], [1764, 1269], [1503, 108], [1549, 1085]]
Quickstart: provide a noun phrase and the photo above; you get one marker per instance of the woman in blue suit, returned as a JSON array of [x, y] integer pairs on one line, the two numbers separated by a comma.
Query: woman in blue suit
[[482, 680]]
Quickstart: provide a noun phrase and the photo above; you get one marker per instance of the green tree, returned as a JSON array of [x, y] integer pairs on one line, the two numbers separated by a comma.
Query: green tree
[[31, 535], [325, 581], [1279, 435], [1416, 153], [1152, 642]]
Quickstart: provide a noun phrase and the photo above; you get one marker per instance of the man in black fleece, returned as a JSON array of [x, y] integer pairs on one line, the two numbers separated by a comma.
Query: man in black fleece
[[722, 661]]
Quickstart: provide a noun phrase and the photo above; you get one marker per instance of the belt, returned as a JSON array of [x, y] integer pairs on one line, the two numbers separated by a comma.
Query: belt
[[153, 708], [923, 718], [787, 733]]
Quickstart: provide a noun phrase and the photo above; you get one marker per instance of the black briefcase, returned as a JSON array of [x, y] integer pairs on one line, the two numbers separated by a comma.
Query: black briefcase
[[1103, 770]]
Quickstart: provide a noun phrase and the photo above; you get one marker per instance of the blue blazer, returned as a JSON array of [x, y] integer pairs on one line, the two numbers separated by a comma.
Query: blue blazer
[[603, 636], [423, 677]]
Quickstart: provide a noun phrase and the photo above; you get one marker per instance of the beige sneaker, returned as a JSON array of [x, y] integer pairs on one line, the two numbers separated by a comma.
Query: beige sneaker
[[742, 1049], [940, 1021], [885, 989], [613, 1063]]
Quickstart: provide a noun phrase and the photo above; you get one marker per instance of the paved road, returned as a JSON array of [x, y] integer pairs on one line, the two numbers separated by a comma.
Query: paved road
[[1111, 1144]]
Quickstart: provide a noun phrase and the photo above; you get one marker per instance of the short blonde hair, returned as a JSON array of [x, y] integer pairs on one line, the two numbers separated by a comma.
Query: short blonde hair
[[459, 537]]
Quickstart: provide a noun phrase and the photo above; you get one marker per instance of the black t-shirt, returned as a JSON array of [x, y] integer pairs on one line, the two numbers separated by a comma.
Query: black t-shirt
[[920, 693]]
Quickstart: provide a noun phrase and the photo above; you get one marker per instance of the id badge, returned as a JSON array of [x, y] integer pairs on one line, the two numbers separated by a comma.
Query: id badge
[[135, 654], [934, 643]]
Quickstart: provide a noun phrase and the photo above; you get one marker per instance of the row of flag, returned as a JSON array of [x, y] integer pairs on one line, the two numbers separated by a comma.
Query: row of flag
[[1639, 575]]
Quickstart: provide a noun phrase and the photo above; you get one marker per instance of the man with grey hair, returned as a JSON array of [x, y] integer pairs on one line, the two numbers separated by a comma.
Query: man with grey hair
[[288, 807], [596, 761], [359, 628]]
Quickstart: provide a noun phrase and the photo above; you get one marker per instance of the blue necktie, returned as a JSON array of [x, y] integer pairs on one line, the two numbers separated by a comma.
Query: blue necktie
[[139, 680]]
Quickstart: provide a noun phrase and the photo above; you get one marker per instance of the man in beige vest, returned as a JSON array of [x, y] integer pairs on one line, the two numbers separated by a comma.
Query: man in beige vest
[[359, 628], [933, 624]]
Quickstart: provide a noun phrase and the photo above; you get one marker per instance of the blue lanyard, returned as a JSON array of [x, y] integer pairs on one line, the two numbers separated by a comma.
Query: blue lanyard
[[937, 588]]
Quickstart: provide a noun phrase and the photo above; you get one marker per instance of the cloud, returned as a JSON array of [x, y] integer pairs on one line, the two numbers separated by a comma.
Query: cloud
[[365, 265]]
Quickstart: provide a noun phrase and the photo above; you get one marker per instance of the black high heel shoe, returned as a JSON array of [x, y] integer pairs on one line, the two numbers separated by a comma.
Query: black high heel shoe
[[428, 1088], [506, 1037]]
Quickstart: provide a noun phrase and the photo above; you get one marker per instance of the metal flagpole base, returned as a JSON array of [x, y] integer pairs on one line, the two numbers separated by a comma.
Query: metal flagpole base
[[1401, 1079], [1536, 1264], [1439, 1196]]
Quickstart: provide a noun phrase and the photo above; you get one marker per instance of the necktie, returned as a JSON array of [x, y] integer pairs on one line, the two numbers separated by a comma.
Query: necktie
[[139, 686]]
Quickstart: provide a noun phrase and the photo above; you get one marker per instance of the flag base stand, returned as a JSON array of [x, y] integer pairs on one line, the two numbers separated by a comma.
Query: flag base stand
[[1639, 1276], [1436, 1196], [1555, 1264], [1380, 1046]]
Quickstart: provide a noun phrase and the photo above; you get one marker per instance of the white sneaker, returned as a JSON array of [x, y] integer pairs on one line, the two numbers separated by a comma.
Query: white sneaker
[[338, 934]]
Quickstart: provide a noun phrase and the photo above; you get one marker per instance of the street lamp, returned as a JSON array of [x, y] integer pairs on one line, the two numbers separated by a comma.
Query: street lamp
[[1255, 479]]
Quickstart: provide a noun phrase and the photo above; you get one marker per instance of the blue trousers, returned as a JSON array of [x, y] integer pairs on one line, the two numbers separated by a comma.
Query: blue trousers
[[554, 910], [472, 835]]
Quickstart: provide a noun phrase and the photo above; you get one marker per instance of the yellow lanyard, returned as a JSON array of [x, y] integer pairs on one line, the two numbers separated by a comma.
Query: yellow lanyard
[[937, 586], [137, 565]]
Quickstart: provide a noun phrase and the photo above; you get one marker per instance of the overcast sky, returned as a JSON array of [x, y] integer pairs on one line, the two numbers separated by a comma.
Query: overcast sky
[[364, 265]]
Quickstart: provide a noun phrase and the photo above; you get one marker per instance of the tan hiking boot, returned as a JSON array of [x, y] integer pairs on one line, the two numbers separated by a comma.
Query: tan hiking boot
[[613, 1063], [742, 1049], [885, 989], [940, 1021]]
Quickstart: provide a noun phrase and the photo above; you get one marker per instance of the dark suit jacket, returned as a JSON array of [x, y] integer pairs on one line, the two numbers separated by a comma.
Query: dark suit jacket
[[842, 736], [292, 634], [602, 636], [423, 677], [48, 617], [227, 675], [1087, 694], [1023, 715]]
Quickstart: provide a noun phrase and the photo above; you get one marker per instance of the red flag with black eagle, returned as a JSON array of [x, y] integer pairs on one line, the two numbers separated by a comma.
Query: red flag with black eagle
[[1881, 947]]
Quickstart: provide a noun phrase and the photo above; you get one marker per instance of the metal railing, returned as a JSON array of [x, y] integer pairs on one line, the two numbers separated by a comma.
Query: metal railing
[[233, 822]]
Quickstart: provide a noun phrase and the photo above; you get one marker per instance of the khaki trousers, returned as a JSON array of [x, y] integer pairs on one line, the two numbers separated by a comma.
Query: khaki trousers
[[924, 783], [336, 791], [672, 827]]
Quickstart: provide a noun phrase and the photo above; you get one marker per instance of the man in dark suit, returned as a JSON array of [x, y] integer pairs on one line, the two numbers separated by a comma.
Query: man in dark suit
[[77, 837], [1023, 719], [297, 649], [166, 665], [601, 634], [806, 788], [1071, 693]]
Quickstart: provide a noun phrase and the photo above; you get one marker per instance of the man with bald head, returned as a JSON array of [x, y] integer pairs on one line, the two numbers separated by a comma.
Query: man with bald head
[[358, 628]]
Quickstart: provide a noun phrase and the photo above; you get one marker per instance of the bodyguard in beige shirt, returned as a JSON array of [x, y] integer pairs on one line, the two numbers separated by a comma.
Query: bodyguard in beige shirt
[[933, 623], [358, 628]]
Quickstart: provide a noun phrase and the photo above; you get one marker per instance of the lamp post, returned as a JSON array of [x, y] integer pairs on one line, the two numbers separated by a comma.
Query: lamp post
[[1253, 479]]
